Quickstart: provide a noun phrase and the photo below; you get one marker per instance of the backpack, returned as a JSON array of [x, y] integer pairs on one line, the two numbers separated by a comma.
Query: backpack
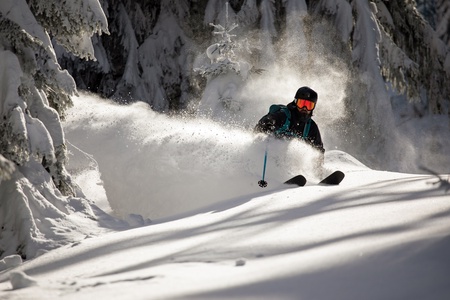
[[284, 130]]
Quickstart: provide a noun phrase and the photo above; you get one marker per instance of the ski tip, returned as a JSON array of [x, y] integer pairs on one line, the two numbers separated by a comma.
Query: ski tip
[[298, 180], [334, 178]]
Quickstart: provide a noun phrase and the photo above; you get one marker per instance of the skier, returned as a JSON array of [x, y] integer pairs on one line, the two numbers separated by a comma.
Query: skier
[[294, 120]]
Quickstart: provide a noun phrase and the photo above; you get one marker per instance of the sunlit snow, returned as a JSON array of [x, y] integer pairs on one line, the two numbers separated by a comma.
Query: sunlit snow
[[168, 205], [378, 235]]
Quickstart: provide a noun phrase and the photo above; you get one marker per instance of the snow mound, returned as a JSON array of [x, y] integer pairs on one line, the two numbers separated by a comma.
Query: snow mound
[[36, 218], [20, 280], [10, 262], [343, 161]]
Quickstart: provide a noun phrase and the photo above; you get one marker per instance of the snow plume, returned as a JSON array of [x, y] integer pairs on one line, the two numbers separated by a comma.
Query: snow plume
[[356, 112], [279, 84], [159, 166], [289, 59]]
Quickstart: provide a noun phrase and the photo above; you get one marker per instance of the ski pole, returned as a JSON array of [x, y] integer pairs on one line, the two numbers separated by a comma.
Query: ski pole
[[262, 183]]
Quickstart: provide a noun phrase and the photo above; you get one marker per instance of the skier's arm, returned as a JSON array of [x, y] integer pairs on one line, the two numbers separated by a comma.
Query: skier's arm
[[270, 122], [318, 145], [266, 124], [315, 138], [316, 141]]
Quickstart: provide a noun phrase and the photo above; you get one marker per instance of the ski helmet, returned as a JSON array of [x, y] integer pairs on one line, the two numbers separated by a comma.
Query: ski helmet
[[306, 93]]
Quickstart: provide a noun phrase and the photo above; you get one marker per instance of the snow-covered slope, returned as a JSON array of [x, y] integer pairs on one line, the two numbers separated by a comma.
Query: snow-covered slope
[[378, 235]]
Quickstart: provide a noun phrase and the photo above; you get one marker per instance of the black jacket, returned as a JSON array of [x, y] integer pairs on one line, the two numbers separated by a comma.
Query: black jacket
[[271, 122]]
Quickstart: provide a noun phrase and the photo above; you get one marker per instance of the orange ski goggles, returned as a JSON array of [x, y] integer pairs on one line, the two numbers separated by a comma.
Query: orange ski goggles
[[305, 103]]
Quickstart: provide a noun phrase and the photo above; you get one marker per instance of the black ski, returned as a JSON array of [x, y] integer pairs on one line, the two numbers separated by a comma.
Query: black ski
[[299, 180], [334, 178]]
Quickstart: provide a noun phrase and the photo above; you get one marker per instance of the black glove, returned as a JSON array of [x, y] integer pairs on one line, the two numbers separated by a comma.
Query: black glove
[[266, 124]]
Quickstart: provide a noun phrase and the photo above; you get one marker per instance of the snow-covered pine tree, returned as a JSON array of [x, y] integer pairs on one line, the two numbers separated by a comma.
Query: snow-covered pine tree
[[422, 66], [397, 61], [410, 56], [71, 23], [428, 10], [225, 70], [28, 73], [147, 56], [6, 168], [174, 31], [43, 91], [164, 80], [443, 20], [437, 14], [165, 58], [34, 93], [115, 73], [269, 31], [221, 54]]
